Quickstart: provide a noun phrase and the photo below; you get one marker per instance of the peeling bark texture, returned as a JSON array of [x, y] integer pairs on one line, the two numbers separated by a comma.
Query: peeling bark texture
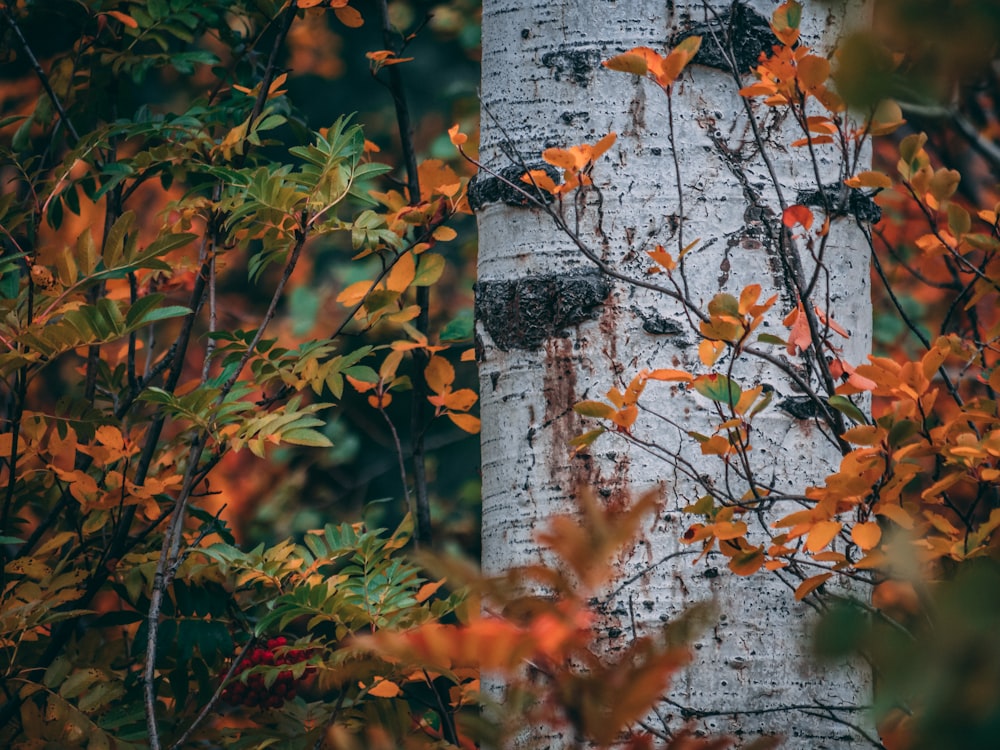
[[551, 331], [522, 313], [859, 203], [738, 33]]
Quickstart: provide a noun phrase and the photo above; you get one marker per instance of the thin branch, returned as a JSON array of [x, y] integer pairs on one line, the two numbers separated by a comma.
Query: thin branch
[[418, 413], [39, 71], [210, 706], [272, 308]]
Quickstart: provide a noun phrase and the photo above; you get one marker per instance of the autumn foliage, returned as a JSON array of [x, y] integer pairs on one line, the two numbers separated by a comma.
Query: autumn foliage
[[152, 367]]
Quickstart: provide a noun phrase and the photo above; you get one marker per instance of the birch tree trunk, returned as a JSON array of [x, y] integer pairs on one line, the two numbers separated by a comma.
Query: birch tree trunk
[[553, 330]]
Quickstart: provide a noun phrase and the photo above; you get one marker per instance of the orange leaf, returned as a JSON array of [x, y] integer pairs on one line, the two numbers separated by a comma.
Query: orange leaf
[[603, 145], [822, 534], [677, 60], [866, 535], [439, 374], [429, 589], [811, 584], [797, 214], [349, 17], [813, 71], [709, 351], [124, 18], [465, 422], [669, 375], [384, 689], [361, 386], [748, 562], [636, 61], [864, 435], [729, 529], [380, 400], [540, 178], [402, 274], [456, 137], [895, 513], [461, 400]]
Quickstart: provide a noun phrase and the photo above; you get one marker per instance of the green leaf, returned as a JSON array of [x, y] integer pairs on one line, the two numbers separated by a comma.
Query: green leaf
[[308, 437], [718, 388], [153, 314], [429, 269], [114, 244], [460, 327], [597, 409], [587, 438], [846, 407], [770, 338]]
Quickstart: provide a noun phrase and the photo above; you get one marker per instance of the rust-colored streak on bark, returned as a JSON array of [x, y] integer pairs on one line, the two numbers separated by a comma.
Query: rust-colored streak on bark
[[560, 394]]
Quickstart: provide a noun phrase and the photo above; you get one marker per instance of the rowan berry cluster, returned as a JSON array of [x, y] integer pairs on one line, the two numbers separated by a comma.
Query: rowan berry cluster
[[253, 692]]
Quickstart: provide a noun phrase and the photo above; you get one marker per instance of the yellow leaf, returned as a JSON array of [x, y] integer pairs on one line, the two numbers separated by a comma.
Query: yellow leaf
[[887, 118], [353, 294], [443, 234], [709, 351], [869, 179]]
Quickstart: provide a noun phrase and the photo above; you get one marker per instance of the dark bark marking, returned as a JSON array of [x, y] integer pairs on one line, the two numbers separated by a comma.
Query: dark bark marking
[[577, 65], [800, 407], [741, 27], [859, 203], [487, 188], [570, 118], [524, 313], [658, 325]]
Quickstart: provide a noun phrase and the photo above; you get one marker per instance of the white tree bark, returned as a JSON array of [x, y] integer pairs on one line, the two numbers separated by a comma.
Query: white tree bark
[[553, 331]]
